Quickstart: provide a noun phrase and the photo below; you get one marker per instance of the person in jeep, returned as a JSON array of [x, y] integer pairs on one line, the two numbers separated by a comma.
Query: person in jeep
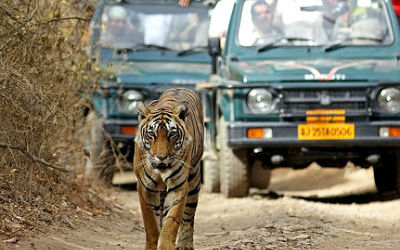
[[361, 25], [122, 28], [262, 15], [332, 10]]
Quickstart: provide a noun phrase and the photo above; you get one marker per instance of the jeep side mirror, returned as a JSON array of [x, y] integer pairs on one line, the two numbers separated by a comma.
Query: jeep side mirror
[[214, 50]]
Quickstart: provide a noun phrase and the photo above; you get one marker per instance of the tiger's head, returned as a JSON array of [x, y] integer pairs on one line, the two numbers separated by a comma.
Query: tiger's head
[[162, 133]]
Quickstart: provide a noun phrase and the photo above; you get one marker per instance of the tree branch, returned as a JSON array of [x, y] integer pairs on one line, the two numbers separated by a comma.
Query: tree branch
[[10, 15], [37, 159], [67, 18]]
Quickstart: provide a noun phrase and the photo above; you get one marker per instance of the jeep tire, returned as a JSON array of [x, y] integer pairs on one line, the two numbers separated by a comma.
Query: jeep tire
[[260, 177], [233, 166], [387, 176], [100, 159], [211, 182]]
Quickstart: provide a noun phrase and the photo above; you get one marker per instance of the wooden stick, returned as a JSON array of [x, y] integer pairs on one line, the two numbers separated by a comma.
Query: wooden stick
[[33, 157]]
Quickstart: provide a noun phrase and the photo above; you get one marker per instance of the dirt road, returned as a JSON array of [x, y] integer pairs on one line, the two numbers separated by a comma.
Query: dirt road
[[305, 209]]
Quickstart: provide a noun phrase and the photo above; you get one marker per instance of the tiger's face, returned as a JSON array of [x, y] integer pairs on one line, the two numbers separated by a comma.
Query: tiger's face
[[162, 135]]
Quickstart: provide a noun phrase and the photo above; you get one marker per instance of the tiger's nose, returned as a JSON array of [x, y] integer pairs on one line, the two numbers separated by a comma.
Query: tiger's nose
[[162, 157]]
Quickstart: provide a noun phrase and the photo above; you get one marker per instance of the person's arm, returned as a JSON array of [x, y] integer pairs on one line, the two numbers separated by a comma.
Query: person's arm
[[184, 3]]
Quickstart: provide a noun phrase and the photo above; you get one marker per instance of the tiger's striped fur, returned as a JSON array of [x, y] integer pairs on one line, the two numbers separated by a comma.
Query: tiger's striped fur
[[169, 147]]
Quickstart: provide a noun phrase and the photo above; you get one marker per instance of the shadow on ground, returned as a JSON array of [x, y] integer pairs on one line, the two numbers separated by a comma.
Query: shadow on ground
[[361, 198]]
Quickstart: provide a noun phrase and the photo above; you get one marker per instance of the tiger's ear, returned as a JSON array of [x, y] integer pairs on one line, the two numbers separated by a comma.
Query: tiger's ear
[[142, 110], [181, 111]]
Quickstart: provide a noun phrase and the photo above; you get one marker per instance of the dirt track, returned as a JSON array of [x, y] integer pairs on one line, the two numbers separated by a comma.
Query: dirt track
[[312, 209]]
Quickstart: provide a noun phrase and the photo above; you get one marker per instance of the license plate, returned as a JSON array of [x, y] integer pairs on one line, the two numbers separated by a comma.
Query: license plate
[[326, 131]]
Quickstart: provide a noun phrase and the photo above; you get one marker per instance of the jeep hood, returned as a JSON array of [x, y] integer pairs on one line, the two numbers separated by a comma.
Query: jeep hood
[[158, 72], [314, 70]]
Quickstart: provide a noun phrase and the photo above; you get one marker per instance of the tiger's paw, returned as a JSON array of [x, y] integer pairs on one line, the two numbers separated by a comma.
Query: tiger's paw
[[185, 239], [185, 245], [185, 248]]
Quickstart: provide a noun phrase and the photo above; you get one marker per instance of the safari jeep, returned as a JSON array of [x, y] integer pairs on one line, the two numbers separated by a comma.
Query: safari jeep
[[141, 48], [319, 81]]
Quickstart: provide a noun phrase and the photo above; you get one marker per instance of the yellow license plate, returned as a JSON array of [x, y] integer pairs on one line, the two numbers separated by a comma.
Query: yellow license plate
[[326, 131]]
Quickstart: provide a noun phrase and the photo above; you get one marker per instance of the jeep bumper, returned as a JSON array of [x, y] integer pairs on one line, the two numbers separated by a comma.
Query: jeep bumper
[[285, 134], [121, 130]]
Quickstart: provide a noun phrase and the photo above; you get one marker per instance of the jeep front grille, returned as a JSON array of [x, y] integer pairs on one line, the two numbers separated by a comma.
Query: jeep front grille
[[295, 102]]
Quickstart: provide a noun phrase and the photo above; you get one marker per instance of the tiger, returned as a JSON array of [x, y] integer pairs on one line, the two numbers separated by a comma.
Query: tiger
[[168, 150]]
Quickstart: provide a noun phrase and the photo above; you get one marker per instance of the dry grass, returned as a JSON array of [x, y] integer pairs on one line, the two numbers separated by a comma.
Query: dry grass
[[43, 79]]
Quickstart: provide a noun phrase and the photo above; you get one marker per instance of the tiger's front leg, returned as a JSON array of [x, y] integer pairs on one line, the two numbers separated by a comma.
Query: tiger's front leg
[[149, 216], [173, 212], [186, 229]]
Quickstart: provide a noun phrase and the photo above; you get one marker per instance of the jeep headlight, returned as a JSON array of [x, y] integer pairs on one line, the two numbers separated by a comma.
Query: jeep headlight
[[388, 99], [260, 101], [129, 100]]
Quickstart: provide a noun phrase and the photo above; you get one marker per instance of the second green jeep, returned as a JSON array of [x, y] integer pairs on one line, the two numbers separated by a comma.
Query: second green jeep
[[142, 47]]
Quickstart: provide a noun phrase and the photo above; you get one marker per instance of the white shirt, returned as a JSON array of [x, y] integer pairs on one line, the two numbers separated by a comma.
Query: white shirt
[[220, 18], [156, 28]]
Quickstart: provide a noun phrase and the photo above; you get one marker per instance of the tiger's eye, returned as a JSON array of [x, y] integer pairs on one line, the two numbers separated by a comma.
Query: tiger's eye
[[172, 134]]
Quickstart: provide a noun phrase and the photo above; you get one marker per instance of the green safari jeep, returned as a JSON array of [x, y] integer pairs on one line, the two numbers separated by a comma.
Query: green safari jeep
[[302, 81], [142, 47]]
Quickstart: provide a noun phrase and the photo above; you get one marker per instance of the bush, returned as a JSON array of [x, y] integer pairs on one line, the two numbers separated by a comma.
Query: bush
[[43, 81]]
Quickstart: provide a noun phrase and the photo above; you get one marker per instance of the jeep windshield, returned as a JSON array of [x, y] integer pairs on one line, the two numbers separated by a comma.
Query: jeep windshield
[[144, 26], [332, 24]]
